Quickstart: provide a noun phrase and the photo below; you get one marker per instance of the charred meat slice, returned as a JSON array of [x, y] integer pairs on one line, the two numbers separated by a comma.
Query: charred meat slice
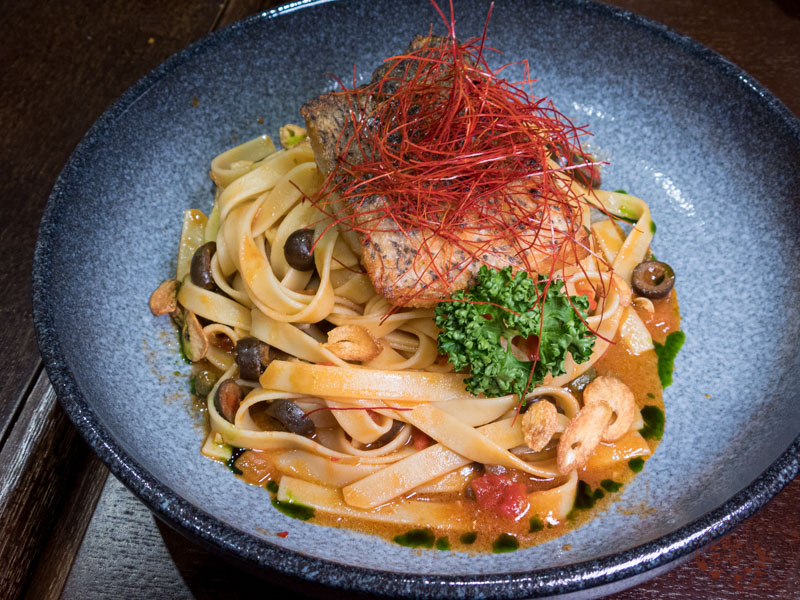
[[419, 267]]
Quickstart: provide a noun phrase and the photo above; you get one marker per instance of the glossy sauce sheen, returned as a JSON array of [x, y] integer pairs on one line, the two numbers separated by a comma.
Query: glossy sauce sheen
[[640, 373]]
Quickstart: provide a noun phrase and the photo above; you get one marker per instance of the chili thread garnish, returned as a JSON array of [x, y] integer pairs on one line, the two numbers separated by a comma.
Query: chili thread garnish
[[465, 164]]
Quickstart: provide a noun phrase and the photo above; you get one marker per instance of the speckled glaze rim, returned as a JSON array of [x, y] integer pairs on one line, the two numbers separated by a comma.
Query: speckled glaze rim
[[268, 558]]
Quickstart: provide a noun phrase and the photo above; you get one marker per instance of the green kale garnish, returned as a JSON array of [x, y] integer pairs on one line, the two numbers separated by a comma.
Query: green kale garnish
[[477, 328]]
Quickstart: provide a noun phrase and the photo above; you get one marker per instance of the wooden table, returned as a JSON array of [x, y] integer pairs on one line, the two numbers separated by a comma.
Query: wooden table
[[68, 529]]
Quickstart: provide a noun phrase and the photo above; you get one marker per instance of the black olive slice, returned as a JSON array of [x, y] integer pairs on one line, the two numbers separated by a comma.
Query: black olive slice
[[291, 416], [653, 279], [228, 399], [297, 250], [389, 435], [252, 356], [200, 269]]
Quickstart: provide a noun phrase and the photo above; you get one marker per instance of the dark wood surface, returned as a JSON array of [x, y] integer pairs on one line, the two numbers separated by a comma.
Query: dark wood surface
[[62, 63]]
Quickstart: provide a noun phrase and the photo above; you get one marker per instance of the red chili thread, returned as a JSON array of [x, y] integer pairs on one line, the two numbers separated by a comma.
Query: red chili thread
[[459, 153], [463, 155]]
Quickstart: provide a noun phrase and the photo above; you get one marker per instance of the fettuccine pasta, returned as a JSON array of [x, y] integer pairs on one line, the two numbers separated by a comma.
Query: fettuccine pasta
[[325, 384]]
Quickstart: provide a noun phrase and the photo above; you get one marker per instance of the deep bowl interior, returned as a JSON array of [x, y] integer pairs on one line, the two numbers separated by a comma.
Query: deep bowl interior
[[714, 155]]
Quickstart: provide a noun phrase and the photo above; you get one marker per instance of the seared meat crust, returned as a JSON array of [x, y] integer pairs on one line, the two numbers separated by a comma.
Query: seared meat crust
[[418, 267]]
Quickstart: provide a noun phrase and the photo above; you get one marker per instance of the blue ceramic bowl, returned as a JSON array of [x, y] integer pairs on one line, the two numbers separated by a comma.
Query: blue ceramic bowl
[[711, 150]]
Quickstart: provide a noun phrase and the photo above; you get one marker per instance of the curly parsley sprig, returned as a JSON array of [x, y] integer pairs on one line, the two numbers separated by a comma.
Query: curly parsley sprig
[[477, 328]]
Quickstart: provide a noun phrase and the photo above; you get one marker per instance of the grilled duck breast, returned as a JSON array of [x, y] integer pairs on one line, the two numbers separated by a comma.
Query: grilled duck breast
[[419, 267]]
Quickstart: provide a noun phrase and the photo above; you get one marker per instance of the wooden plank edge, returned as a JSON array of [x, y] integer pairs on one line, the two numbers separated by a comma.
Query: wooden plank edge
[[56, 559], [41, 462]]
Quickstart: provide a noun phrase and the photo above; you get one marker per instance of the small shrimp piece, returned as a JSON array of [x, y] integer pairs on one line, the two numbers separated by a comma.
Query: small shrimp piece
[[619, 397], [539, 425], [352, 342], [580, 440]]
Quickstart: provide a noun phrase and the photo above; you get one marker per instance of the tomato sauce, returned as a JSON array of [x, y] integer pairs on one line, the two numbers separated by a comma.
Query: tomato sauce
[[496, 507]]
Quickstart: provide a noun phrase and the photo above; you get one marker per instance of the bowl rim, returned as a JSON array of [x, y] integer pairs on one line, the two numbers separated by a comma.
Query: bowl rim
[[267, 557]]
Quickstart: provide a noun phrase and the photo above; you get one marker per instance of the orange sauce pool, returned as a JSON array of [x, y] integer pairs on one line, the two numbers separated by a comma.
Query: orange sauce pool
[[600, 480]]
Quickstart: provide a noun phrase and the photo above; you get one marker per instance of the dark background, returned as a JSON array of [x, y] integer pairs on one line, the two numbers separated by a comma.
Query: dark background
[[61, 64]]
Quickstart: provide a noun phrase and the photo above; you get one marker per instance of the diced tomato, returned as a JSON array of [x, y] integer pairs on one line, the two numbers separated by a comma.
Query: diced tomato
[[420, 439], [283, 534], [515, 502], [255, 466], [584, 288], [489, 490], [501, 494]]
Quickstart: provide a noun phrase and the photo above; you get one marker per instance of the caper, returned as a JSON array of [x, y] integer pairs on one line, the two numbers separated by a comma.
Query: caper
[[228, 399], [653, 279], [203, 382], [297, 250], [291, 417], [200, 269], [252, 356]]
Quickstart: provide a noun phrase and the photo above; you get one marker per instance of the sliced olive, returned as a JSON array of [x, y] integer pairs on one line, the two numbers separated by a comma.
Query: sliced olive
[[200, 269], [297, 250], [203, 382], [228, 399], [389, 435], [252, 356], [291, 416], [653, 279]]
